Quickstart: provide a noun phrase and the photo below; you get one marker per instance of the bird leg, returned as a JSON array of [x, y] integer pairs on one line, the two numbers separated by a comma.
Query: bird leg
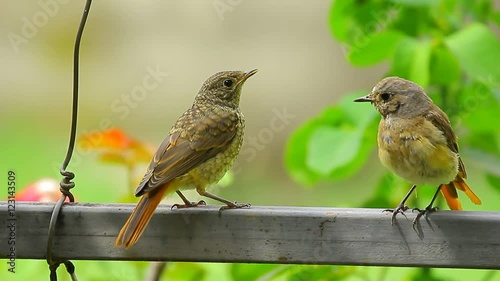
[[230, 205], [401, 208], [429, 209], [187, 203]]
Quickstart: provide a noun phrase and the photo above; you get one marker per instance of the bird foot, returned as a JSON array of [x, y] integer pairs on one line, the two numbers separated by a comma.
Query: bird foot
[[425, 212], [235, 205], [189, 205], [400, 209]]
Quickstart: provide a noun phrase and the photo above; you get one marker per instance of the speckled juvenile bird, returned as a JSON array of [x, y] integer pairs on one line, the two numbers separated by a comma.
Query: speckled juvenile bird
[[417, 143], [199, 149]]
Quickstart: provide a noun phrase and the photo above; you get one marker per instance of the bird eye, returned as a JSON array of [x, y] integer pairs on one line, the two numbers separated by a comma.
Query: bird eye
[[228, 83], [385, 96]]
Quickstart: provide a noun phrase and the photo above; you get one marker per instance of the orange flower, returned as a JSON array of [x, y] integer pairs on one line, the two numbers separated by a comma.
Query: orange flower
[[117, 147]]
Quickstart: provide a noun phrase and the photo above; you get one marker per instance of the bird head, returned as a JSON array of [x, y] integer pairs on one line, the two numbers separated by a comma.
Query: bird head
[[224, 88], [394, 96]]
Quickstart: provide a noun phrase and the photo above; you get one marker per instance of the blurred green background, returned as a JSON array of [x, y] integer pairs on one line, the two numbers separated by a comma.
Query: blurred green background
[[306, 144]]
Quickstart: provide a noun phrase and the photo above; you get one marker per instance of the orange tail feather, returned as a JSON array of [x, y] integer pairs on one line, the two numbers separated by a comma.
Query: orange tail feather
[[450, 195], [460, 184], [140, 217], [449, 192]]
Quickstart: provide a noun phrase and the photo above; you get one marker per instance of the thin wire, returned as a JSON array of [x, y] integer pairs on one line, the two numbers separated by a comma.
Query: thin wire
[[66, 183], [52, 230]]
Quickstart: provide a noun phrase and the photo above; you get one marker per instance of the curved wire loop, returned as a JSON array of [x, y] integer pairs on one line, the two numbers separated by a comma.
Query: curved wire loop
[[66, 183]]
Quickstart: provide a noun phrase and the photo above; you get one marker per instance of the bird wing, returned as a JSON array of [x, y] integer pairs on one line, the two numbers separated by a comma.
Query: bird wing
[[185, 148], [439, 119]]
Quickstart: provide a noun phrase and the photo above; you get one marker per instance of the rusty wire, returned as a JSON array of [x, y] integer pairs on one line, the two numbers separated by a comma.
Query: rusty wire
[[66, 183]]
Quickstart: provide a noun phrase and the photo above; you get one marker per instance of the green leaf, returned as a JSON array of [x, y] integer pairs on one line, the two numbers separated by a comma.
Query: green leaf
[[477, 50], [411, 61], [334, 144], [444, 66], [330, 148], [420, 70], [351, 21], [296, 153], [403, 57], [412, 20], [361, 115], [340, 19], [478, 107], [374, 48]]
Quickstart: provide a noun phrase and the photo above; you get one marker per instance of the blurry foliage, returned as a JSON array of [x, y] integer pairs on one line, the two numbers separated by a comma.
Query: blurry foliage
[[275, 272]]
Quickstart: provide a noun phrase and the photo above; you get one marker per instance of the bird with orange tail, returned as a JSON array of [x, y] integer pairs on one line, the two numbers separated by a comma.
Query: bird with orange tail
[[417, 143], [199, 149]]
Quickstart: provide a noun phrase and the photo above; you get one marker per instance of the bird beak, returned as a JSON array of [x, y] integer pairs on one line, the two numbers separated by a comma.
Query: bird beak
[[364, 99], [247, 74]]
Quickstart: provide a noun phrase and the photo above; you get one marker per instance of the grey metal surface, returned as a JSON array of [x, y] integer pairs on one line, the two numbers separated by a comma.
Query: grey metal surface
[[261, 234]]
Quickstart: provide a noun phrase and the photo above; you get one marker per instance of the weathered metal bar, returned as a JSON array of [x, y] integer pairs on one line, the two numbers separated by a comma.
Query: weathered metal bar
[[298, 235]]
